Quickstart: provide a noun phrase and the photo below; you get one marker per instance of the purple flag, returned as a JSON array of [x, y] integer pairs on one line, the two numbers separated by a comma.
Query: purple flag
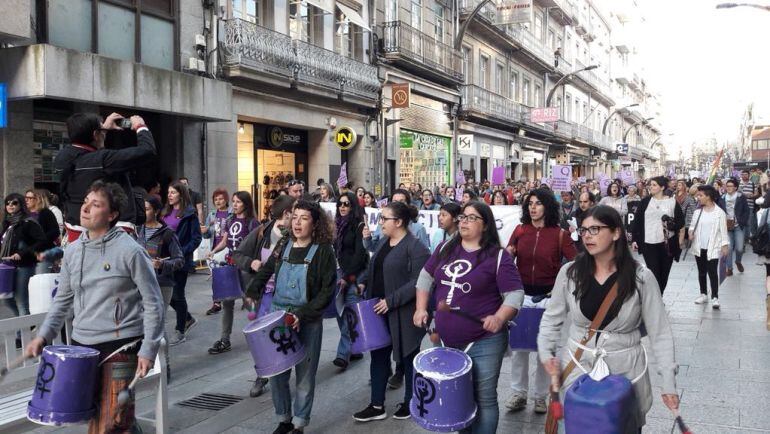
[[343, 179]]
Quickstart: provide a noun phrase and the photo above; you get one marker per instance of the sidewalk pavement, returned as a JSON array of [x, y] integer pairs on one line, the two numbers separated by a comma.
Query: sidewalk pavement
[[723, 381]]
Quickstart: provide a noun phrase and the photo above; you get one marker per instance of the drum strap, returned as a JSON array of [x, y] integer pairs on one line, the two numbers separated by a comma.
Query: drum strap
[[595, 324]]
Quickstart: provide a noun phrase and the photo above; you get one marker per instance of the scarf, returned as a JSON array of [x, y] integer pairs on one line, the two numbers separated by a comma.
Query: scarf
[[341, 224]]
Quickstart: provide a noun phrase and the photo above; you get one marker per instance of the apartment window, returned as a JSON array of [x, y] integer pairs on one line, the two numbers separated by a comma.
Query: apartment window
[[568, 108], [416, 10], [551, 39], [300, 22], [500, 79], [584, 118], [760, 145], [559, 42], [344, 42], [568, 48], [525, 92], [244, 9], [558, 103], [577, 110], [538, 95], [513, 86], [438, 26], [538, 27], [483, 71], [391, 10], [467, 65]]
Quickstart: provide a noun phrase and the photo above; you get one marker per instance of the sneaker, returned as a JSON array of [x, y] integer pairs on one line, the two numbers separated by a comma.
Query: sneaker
[[340, 363], [517, 402], [402, 412], [178, 338], [354, 357], [370, 413], [540, 406], [189, 324], [297, 431], [739, 266], [220, 346], [396, 380], [701, 299], [258, 388], [284, 428], [729, 272], [215, 308], [715, 303]]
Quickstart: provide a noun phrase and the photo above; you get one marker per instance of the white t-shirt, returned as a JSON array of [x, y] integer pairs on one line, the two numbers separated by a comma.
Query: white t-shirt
[[653, 223], [705, 225]]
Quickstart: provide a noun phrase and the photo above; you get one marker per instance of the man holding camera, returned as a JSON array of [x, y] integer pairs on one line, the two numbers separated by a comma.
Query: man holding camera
[[86, 161]]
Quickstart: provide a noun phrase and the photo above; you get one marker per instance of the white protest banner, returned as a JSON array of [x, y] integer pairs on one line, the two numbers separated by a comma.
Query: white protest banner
[[562, 177]]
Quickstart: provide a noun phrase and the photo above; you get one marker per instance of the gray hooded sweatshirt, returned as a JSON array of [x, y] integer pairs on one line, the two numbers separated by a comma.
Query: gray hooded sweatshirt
[[112, 287]]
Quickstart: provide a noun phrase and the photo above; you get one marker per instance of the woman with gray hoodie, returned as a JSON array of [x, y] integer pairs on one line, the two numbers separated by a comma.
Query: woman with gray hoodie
[[109, 282]]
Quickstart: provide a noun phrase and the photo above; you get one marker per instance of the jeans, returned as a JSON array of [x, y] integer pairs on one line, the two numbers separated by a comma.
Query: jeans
[[752, 229], [19, 304], [520, 375], [228, 308], [343, 348], [657, 260], [710, 267], [380, 370], [737, 240], [310, 334], [487, 355], [178, 300]]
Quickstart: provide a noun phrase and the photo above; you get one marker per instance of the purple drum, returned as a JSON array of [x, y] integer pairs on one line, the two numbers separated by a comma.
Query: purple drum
[[265, 304], [275, 347], [523, 335], [601, 407], [227, 283], [6, 280], [368, 330], [442, 396], [64, 389]]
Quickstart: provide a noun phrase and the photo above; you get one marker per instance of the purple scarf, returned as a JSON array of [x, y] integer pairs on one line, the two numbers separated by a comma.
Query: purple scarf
[[342, 225]]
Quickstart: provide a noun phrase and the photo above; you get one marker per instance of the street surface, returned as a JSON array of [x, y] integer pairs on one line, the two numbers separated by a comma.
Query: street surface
[[724, 377]]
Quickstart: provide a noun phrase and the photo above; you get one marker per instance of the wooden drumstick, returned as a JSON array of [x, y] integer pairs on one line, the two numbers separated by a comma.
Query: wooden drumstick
[[125, 395], [443, 307]]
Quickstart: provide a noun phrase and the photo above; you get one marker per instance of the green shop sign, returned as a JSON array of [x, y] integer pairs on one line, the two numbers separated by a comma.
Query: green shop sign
[[423, 141]]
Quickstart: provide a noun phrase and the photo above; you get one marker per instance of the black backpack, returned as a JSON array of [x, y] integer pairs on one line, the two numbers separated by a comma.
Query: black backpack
[[760, 242]]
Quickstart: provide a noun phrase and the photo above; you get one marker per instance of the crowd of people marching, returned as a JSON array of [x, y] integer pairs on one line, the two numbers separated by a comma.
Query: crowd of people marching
[[124, 256]]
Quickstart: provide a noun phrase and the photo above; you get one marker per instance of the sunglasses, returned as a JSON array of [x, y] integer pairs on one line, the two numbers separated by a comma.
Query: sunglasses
[[346, 204], [295, 182], [12, 203]]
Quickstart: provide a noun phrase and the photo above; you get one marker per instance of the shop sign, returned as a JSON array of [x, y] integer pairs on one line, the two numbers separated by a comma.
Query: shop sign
[[277, 137], [400, 94], [529, 157], [621, 148], [345, 138], [465, 145], [498, 153], [544, 115], [514, 12], [3, 105], [423, 141], [486, 150]]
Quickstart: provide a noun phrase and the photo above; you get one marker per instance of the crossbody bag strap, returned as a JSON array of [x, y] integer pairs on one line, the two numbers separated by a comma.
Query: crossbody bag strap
[[595, 324]]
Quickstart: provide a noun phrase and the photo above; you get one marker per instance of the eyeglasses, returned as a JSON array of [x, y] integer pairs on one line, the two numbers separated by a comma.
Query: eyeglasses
[[593, 230], [12, 203], [383, 219], [346, 204], [472, 218], [29, 198]]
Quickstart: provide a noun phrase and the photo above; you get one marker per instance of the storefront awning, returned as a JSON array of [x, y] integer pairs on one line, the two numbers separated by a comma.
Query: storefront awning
[[324, 5], [353, 16]]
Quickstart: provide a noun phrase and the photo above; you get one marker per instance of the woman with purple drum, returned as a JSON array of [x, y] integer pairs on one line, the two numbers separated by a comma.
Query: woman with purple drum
[[478, 290]]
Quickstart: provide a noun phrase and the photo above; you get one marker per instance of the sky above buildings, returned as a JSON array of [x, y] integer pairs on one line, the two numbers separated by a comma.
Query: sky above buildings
[[707, 64]]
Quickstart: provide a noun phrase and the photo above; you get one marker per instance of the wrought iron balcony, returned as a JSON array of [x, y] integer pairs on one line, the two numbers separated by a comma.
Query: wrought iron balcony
[[402, 42], [593, 79], [477, 100], [253, 50]]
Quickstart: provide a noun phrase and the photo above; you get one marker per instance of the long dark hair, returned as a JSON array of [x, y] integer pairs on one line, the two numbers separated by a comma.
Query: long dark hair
[[248, 204], [549, 202], [490, 240], [356, 212], [582, 270], [184, 198]]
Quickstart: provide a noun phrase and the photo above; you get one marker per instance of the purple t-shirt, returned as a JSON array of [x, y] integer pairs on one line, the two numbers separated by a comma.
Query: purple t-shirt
[[172, 220], [220, 220], [237, 230], [475, 286]]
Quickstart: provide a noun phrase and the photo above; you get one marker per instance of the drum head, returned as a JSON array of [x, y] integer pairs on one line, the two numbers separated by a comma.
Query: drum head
[[264, 321], [71, 351], [442, 363]]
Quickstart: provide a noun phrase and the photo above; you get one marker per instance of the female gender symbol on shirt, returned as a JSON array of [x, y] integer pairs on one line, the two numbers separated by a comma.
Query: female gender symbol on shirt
[[455, 270], [235, 230]]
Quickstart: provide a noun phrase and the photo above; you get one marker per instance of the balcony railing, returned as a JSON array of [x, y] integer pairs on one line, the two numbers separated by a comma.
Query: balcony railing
[[253, 46], [593, 79], [478, 99], [403, 39]]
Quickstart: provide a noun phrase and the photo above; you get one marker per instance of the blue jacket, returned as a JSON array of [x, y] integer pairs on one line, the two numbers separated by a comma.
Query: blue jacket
[[189, 234], [742, 212]]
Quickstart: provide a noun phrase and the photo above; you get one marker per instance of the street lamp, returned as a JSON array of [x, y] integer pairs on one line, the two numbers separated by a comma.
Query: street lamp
[[735, 5], [643, 121], [607, 122], [563, 79], [660, 137]]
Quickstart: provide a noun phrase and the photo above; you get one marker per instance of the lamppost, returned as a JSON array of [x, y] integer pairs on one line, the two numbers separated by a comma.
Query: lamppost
[[660, 137], [735, 5], [607, 122], [563, 79], [643, 121]]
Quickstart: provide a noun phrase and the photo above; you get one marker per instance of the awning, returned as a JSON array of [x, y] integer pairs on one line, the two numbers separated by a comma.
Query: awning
[[324, 5], [353, 16]]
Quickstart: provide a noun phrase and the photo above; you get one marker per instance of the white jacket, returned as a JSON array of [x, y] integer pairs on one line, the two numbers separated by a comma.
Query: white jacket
[[717, 238]]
